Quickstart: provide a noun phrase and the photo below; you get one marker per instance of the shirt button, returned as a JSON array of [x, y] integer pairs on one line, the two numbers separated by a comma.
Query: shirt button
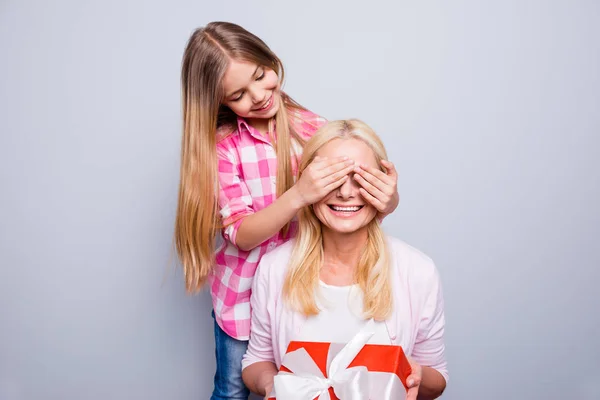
[[393, 337]]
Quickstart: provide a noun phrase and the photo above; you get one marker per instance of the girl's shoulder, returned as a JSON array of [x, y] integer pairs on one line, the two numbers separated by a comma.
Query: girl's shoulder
[[306, 122], [307, 116], [225, 131]]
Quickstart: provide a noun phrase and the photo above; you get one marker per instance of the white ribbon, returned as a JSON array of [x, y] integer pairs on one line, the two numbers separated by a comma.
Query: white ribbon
[[307, 382]]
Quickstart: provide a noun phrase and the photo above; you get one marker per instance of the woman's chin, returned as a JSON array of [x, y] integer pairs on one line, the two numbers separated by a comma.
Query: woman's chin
[[347, 227]]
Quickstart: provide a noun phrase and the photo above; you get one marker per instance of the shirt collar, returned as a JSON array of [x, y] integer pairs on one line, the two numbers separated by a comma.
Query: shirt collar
[[244, 126]]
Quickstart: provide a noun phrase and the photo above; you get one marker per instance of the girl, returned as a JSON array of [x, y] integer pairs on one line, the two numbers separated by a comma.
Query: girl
[[242, 137]]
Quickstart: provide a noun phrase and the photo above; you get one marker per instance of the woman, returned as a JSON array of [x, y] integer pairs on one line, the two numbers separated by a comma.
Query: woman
[[342, 271]]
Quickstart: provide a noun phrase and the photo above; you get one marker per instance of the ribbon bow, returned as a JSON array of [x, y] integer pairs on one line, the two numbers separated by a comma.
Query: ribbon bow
[[308, 382]]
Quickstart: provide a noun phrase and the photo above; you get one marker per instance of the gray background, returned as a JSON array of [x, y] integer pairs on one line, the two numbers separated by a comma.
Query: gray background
[[490, 111]]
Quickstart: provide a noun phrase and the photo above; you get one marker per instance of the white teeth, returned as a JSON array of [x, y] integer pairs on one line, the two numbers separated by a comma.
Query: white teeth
[[348, 209], [266, 105]]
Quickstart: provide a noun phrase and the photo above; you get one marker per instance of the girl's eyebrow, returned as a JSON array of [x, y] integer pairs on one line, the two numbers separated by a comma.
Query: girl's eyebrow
[[239, 90]]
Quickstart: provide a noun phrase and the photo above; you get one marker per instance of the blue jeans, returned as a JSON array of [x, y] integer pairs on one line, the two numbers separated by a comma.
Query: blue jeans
[[228, 378]]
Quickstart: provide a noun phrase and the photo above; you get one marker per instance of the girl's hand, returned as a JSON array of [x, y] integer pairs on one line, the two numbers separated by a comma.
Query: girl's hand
[[321, 177], [414, 380], [379, 188]]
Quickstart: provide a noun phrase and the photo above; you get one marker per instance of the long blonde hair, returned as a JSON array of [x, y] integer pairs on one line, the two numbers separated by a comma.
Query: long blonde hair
[[373, 269], [206, 58]]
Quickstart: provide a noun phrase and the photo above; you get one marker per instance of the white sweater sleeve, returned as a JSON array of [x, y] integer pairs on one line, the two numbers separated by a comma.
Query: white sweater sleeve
[[260, 346]]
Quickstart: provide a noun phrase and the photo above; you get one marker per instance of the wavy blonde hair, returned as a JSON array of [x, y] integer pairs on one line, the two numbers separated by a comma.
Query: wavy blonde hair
[[207, 55], [373, 269]]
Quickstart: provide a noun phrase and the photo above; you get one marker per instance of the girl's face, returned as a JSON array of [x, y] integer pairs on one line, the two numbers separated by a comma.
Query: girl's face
[[251, 90]]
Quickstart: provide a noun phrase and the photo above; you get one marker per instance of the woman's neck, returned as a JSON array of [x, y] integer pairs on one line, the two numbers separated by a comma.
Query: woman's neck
[[341, 253]]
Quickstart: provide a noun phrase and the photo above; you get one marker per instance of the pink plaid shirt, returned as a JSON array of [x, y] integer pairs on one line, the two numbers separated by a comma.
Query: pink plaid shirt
[[247, 175]]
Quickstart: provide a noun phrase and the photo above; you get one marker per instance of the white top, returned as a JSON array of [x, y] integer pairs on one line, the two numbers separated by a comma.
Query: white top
[[340, 318], [416, 322]]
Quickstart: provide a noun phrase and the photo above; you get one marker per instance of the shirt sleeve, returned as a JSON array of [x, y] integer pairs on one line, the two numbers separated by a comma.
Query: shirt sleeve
[[235, 201], [260, 345], [429, 346], [306, 123]]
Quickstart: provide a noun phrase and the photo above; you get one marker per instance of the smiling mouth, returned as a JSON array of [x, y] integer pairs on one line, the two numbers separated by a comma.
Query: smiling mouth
[[348, 209], [266, 105]]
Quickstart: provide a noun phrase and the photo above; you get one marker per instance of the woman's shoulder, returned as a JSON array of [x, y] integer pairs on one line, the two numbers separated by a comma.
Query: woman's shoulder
[[273, 264], [410, 261]]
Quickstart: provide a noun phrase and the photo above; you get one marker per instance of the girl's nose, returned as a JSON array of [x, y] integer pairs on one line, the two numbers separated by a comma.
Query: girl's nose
[[256, 94]]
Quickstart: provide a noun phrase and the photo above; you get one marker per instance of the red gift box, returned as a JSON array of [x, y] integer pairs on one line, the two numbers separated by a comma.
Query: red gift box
[[366, 371]]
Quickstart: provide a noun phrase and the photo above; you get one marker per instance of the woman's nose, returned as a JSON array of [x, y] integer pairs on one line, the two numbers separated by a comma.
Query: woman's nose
[[349, 188]]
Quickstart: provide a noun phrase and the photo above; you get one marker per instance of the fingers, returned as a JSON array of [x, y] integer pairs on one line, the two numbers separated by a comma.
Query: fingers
[[339, 174], [326, 162], [326, 172], [389, 168], [379, 187], [412, 393], [379, 206], [379, 197], [336, 184], [384, 182], [412, 382], [374, 191], [336, 166]]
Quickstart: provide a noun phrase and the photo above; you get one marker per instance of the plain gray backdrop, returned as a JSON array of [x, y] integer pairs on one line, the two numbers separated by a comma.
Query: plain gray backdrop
[[489, 109]]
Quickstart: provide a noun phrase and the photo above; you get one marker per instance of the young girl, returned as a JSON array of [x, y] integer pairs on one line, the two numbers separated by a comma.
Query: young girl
[[242, 139]]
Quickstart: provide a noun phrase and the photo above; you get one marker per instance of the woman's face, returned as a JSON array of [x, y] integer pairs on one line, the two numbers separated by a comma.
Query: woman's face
[[344, 210]]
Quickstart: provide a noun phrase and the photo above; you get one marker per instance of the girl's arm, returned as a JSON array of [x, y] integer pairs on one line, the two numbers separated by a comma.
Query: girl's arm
[[319, 178]]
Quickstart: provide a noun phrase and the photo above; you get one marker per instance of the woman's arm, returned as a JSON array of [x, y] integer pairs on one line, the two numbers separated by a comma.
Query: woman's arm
[[432, 385], [429, 347], [258, 377], [258, 364], [424, 383]]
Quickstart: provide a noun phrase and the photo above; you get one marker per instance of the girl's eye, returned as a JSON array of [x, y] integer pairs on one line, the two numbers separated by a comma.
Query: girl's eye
[[262, 75], [239, 97]]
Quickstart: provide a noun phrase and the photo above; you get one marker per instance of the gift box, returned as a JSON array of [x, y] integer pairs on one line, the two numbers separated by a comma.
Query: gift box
[[334, 371]]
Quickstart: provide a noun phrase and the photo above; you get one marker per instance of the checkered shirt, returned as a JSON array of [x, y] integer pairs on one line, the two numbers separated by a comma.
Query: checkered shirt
[[247, 175]]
